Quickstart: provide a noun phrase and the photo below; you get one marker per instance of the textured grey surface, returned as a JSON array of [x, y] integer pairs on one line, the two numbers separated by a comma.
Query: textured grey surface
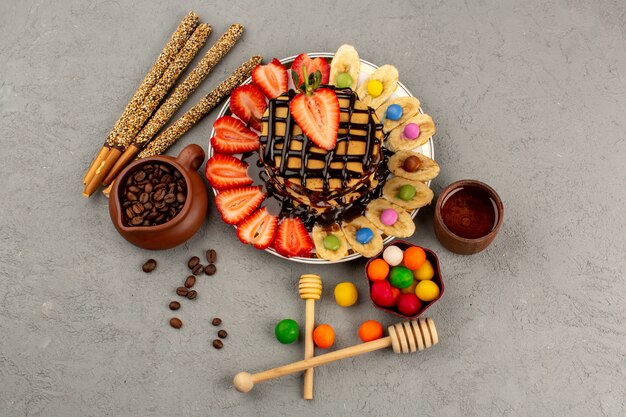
[[528, 96]]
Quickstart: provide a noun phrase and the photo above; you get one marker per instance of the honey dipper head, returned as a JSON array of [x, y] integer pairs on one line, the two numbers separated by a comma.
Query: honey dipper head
[[310, 287], [409, 336]]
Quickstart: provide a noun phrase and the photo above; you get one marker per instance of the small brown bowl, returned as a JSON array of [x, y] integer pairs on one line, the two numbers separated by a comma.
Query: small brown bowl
[[459, 244], [437, 279], [187, 221]]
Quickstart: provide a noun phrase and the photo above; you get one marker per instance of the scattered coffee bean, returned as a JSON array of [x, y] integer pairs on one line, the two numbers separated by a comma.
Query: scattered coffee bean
[[216, 321], [190, 281], [176, 323], [182, 291], [218, 344], [192, 294], [149, 266], [222, 334], [174, 305], [193, 261], [211, 256], [210, 269], [197, 269]]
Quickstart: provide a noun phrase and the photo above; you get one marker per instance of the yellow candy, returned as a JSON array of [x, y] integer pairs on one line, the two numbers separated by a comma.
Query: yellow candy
[[374, 88], [410, 289], [346, 294], [427, 290], [426, 271]]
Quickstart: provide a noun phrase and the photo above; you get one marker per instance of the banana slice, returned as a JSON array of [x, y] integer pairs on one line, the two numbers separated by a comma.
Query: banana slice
[[423, 195], [396, 141], [427, 170], [369, 249], [403, 227], [388, 76], [347, 60], [319, 233], [410, 107]]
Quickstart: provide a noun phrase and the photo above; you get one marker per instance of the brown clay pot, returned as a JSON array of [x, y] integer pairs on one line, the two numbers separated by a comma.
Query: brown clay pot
[[459, 244], [189, 219]]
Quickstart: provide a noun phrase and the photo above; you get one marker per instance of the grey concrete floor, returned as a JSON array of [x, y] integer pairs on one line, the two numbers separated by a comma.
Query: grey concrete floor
[[528, 96]]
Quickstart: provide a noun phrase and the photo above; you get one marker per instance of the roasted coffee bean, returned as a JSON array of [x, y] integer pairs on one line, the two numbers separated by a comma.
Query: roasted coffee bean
[[192, 294], [210, 269], [148, 187], [152, 216], [180, 197], [182, 291], [190, 281], [126, 204], [169, 198], [222, 334], [139, 176], [160, 219], [211, 256], [149, 266], [133, 189], [167, 178], [165, 168], [131, 197], [174, 305], [144, 198], [129, 213], [148, 206], [176, 323], [138, 208], [158, 194], [136, 221], [197, 270], [193, 261], [216, 321], [177, 174], [217, 343]]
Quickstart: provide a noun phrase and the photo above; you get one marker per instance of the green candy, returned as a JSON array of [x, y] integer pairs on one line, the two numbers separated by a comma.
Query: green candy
[[332, 242], [287, 331], [406, 192], [343, 80], [401, 277]]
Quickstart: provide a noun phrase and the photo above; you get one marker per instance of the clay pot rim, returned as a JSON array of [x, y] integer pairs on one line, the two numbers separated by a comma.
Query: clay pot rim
[[478, 184], [133, 167]]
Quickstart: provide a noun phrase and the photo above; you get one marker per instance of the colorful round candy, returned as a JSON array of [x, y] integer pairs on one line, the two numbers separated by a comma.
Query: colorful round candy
[[370, 330], [427, 290], [414, 257], [410, 289], [411, 164], [374, 88], [364, 235], [343, 80], [409, 304], [389, 217], [400, 277], [287, 331], [381, 294], [393, 255], [395, 293], [331, 242], [411, 131], [377, 270], [323, 336], [406, 192], [394, 112], [425, 271], [346, 294]]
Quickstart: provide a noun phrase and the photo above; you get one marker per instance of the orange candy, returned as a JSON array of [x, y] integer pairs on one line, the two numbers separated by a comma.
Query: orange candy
[[323, 336], [370, 330], [377, 270], [414, 257]]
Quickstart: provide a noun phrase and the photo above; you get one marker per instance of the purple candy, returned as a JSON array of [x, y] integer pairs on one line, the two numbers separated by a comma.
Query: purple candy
[[411, 131], [389, 217]]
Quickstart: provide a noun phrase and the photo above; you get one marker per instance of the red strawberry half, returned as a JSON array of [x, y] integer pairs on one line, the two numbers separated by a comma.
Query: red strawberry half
[[293, 239], [224, 171], [271, 78], [232, 136], [236, 204], [248, 103], [258, 229], [311, 65]]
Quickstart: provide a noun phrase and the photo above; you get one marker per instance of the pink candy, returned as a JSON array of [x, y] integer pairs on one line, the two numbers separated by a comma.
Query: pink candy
[[389, 217], [411, 131]]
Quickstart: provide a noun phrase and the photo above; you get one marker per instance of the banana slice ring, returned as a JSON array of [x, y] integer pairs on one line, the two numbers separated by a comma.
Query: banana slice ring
[[320, 232], [388, 76], [368, 249], [427, 170], [346, 59], [423, 195], [403, 227], [410, 107], [397, 142]]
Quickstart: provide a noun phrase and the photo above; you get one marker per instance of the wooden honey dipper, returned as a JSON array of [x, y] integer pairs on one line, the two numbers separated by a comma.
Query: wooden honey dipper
[[405, 337], [310, 289]]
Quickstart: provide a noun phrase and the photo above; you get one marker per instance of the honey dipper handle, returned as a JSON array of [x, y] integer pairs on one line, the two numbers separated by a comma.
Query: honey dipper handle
[[308, 347]]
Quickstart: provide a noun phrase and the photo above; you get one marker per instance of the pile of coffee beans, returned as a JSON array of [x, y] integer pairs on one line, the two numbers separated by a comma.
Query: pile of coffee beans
[[153, 195], [222, 334]]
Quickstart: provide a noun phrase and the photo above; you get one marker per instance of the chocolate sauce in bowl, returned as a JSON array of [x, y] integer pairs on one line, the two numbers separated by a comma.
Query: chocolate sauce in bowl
[[469, 212]]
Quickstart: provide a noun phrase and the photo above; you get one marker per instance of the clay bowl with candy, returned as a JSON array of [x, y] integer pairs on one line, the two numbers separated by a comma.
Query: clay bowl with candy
[[160, 202], [404, 279]]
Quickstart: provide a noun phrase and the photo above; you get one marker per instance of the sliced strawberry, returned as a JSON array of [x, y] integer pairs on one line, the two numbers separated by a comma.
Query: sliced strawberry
[[236, 204], [232, 136], [248, 103], [258, 229], [311, 65], [317, 114], [293, 239], [224, 171], [271, 78]]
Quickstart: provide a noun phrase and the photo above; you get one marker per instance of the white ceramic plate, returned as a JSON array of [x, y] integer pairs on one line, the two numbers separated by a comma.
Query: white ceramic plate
[[366, 69]]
